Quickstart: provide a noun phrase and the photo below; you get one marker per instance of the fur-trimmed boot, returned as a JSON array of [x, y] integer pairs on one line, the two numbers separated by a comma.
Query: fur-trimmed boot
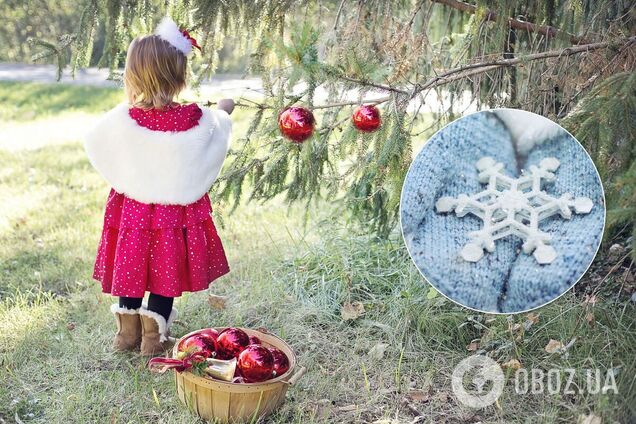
[[128, 335], [155, 331]]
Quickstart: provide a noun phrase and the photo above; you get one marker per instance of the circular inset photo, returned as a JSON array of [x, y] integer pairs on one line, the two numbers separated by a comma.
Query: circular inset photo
[[502, 211]]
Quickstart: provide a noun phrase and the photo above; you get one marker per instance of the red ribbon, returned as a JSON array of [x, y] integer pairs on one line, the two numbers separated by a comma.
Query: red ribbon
[[187, 35], [161, 365]]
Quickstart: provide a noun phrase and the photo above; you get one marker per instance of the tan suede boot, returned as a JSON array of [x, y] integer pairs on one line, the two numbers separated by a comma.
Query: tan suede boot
[[128, 335], [155, 332]]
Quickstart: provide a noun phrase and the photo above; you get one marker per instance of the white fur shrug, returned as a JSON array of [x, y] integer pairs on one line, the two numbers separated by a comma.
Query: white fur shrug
[[159, 167]]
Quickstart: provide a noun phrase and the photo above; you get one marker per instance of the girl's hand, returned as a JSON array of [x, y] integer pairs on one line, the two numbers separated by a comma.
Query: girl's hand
[[226, 105]]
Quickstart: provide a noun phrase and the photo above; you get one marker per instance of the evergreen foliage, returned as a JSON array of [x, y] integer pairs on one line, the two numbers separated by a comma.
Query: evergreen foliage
[[541, 56], [606, 118]]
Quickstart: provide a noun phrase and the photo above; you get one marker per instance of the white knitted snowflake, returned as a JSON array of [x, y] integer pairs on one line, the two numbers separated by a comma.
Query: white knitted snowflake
[[513, 206]]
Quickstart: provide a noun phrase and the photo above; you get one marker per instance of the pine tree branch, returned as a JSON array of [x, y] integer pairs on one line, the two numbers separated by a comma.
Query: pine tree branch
[[480, 67], [335, 23], [349, 103], [414, 14], [548, 31], [465, 72], [377, 85]]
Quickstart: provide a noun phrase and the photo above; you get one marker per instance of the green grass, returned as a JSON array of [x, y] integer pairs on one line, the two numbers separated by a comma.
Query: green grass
[[55, 328], [26, 101]]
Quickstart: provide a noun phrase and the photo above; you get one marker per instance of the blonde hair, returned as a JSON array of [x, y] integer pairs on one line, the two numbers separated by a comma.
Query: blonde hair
[[155, 72]]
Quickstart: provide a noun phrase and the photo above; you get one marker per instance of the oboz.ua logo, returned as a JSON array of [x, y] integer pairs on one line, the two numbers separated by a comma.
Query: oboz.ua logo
[[478, 381]]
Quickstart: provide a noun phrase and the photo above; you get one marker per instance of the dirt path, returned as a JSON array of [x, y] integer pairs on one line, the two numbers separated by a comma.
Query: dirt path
[[230, 83]]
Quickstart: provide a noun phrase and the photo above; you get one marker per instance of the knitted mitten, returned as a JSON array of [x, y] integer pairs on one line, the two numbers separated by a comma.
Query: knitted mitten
[[505, 280], [446, 167], [575, 240]]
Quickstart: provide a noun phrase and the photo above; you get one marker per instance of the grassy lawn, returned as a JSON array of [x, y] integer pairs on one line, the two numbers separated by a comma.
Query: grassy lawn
[[390, 365]]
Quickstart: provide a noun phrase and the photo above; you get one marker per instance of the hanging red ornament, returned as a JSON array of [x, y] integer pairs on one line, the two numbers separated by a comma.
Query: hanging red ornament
[[296, 123], [366, 118], [256, 363], [203, 344], [231, 343], [255, 340], [281, 361]]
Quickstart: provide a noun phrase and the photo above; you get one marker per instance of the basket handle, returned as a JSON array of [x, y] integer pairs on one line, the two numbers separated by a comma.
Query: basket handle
[[294, 378]]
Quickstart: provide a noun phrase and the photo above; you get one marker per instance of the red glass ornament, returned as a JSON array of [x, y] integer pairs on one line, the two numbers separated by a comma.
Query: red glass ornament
[[256, 363], [255, 340], [201, 343], [296, 123], [366, 118], [281, 361], [210, 332], [231, 343]]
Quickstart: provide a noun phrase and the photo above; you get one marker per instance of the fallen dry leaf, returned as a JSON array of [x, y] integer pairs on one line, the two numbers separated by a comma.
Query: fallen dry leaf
[[217, 302], [553, 346], [408, 405], [590, 300], [377, 351], [589, 317], [532, 317], [322, 408], [418, 396], [351, 311], [473, 346], [513, 364], [441, 397], [589, 419]]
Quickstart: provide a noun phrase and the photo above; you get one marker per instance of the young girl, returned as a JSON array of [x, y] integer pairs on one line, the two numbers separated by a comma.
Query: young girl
[[160, 159]]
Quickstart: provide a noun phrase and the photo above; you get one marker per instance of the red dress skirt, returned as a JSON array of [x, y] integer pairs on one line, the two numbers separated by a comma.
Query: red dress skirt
[[162, 249]]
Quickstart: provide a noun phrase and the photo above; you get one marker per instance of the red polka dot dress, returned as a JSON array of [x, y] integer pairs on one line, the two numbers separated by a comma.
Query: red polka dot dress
[[162, 249]]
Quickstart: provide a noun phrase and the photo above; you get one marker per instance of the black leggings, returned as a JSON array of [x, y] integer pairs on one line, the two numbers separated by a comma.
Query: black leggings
[[156, 303]]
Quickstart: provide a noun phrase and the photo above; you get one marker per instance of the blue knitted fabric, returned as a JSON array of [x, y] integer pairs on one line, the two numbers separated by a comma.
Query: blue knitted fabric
[[576, 240], [505, 280]]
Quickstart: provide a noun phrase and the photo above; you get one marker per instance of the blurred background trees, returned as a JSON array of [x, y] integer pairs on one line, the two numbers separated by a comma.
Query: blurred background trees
[[422, 62]]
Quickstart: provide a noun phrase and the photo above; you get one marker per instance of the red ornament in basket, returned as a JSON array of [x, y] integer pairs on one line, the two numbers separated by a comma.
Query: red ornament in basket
[[203, 342], [231, 342], [281, 361], [256, 364]]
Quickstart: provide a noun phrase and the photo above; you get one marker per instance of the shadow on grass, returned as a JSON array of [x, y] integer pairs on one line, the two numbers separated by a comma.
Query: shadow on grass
[[26, 101], [50, 245]]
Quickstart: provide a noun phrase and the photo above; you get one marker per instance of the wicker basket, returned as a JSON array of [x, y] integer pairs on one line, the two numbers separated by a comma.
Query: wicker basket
[[232, 402]]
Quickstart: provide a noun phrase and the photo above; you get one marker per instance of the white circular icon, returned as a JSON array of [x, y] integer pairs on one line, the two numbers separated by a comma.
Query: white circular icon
[[477, 381]]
